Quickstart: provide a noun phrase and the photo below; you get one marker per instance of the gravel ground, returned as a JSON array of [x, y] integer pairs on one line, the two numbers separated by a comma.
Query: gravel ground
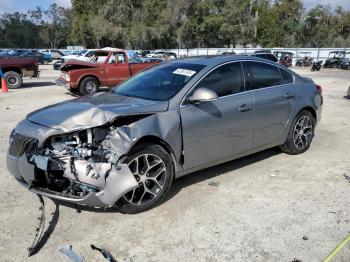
[[266, 207]]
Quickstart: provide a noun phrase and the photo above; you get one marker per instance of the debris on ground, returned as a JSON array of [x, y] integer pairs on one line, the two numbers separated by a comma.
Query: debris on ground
[[347, 177], [68, 251], [106, 254], [40, 228], [214, 183], [305, 238], [296, 260], [42, 235]]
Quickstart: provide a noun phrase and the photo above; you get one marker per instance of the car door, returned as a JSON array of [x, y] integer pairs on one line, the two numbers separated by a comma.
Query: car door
[[117, 69], [274, 95], [220, 129]]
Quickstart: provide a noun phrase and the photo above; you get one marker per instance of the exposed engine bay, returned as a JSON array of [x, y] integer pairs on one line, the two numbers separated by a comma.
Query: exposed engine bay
[[80, 163]]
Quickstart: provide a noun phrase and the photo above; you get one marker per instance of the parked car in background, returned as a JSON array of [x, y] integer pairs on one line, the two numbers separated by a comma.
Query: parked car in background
[[71, 52], [267, 56], [84, 55], [228, 53], [43, 58], [55, 53], [162, 54], [125, 148], [15, 68], [284, 58], [334, 59], [106, 68], [304, 60], [57, 65], [147, 53], [345, 61]]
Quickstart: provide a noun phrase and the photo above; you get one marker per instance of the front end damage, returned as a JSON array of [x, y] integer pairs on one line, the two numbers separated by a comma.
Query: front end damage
[[81, 167]]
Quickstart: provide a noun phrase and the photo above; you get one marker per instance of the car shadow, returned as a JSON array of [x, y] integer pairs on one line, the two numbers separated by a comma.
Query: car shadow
[[218, 170], [192, 178], [36, 84]]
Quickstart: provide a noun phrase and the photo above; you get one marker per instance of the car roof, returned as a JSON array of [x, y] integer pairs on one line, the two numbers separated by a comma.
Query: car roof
[[217, 59]]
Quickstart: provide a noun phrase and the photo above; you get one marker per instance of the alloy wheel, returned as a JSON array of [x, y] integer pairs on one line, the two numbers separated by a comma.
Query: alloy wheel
[[150, 173], [303, 131]]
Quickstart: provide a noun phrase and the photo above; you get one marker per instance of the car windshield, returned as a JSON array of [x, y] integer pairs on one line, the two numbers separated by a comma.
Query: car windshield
[[160, 82]]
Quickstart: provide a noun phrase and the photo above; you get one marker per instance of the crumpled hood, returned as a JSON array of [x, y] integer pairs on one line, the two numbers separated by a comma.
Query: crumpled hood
[[93, 110], [74, 62]]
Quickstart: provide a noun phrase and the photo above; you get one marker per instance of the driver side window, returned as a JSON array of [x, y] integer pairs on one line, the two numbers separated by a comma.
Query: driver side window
[[225, 80]]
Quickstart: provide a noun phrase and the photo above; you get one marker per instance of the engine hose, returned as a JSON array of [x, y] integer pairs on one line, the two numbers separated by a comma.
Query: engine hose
[[336, 250]]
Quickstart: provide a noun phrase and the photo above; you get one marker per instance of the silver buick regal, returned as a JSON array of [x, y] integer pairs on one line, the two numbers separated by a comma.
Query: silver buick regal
[[125, 148]]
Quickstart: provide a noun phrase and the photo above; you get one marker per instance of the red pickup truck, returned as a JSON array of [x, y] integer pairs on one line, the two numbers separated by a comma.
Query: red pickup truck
[[106, 68], [14, 68]]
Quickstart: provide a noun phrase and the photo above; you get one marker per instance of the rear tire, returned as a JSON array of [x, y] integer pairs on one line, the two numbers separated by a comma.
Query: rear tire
[[300, 134], [13, 79], [154, 182], [89, 85]]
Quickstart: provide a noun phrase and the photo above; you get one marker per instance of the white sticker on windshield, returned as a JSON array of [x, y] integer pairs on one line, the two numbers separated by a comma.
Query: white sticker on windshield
[[184, 72]]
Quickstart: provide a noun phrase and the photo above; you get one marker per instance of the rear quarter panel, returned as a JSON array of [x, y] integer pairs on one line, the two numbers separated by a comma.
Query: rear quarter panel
[[306, 97]]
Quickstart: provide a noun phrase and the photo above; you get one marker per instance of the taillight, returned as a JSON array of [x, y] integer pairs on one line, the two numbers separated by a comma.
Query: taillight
[[319, 89]]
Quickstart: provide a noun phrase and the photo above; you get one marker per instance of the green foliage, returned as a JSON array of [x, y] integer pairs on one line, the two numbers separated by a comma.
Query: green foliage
[[153, 24]]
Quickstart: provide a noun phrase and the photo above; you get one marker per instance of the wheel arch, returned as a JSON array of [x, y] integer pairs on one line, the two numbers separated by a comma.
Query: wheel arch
[[89, 75], [152, 139], [311, 110], [14, 69]]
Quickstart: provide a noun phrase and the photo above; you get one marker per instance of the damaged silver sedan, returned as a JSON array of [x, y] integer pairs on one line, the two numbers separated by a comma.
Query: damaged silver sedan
[[124, 148]]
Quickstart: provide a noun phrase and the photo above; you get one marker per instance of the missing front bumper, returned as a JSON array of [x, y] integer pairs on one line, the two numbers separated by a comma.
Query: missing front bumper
[[119, 181]]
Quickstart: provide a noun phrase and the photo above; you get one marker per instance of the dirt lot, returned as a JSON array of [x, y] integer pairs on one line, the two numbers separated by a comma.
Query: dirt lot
[[260, 210]]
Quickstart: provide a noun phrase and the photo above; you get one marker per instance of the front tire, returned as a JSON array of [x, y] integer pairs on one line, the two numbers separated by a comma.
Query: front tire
[[88, 85], [13, 79], [300, 134], [153, 168]]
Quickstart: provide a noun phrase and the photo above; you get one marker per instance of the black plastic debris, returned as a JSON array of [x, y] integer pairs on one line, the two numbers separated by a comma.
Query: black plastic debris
[[347, 177], [40, 228], [42, 234], [68, 251], [106, 254], [296, 260], [305, 238], [214, 183]]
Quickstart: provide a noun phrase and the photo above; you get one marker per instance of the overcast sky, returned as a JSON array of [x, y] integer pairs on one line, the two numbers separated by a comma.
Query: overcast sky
[[24, 5]]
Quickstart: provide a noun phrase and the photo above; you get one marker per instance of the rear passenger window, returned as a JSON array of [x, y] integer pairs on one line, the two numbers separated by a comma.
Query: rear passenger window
[[263, 75], [225, 80], [287, 78]]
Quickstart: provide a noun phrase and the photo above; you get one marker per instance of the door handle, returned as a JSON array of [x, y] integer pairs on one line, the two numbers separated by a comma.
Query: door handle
[[245, 108], [288, 96]]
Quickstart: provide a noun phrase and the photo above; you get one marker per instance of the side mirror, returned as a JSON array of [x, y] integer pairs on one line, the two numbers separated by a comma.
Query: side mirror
[[202, 95]]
